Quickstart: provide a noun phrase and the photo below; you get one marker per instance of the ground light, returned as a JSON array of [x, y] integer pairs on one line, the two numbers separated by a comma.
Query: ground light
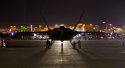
[[4, 44], [61, 44]]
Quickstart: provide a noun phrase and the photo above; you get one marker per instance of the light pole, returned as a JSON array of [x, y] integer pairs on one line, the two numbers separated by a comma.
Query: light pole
[[31, 28], [105, 26]]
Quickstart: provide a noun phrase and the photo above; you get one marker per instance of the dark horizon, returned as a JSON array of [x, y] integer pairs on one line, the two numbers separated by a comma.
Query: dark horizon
[[26, 12]]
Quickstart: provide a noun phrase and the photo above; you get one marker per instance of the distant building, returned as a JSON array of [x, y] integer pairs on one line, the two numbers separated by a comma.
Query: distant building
[[79, 27], [87, 28], [56, 26], [13, 28], [123, 28], [96, 28]]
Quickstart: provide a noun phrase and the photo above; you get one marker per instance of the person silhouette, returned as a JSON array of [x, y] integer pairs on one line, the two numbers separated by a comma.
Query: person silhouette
[[47, 43], [74, 44], [79, 44]]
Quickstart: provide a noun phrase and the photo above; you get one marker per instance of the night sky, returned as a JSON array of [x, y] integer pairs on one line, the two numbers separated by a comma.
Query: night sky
[[26, 12]]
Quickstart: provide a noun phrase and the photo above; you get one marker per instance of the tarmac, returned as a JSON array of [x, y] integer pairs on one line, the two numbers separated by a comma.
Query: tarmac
[[34, 54]]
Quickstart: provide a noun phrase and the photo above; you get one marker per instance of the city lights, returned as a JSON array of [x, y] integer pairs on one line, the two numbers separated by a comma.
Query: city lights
[[80, 27]]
